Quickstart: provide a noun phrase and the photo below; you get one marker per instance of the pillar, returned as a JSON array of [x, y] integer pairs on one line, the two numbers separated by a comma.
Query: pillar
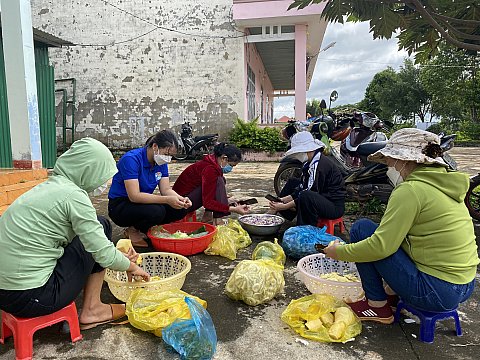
[[300, 72]]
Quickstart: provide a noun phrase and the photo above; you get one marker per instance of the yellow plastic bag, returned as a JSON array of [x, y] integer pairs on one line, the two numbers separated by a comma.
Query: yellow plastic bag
[[255, 281], [268, 250], [322, 317], [153, 310], [228, 239]]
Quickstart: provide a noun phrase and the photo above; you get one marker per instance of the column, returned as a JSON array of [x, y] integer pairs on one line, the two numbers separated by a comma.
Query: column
[[300, 72], [21, 83]]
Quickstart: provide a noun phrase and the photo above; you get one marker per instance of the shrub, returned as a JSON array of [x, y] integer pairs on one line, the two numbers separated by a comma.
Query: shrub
[[470, 130], [248, 135]]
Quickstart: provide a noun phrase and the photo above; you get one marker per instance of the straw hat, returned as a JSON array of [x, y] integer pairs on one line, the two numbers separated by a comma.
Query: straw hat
[[303, 142], [409, 145]]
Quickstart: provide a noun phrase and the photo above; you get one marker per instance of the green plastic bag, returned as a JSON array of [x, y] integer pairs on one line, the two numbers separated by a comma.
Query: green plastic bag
[[228, 240], [154, 310], [322, 317]]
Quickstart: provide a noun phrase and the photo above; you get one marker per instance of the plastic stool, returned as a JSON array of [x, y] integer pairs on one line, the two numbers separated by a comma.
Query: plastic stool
[[428, 319], [23, 329], [330, 223]]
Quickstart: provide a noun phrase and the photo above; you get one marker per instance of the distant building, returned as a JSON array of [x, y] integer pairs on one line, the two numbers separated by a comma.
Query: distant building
[[283, 119], [141, 66]]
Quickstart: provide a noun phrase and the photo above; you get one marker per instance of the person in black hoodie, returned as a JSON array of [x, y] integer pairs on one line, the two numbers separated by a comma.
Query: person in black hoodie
[[320, 193]]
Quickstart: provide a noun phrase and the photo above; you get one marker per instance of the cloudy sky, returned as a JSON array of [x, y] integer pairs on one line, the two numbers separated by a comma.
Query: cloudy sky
[[348, 66]]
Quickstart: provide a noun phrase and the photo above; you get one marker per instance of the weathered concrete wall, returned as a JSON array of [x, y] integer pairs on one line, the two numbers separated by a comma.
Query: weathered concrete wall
[[127, 91]]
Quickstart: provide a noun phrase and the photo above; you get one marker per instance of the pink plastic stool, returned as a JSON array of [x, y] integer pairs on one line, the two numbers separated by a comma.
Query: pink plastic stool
[[23, 329], [330, 223]]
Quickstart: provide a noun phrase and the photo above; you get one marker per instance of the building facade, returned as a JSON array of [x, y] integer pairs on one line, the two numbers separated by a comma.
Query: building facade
[[141, 66]]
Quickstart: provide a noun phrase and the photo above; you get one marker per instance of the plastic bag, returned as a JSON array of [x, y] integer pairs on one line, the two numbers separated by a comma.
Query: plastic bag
[[268, 250], [255, 281], [299, 241], [322, 317], [153, 310], [228, 240], [195, 338]]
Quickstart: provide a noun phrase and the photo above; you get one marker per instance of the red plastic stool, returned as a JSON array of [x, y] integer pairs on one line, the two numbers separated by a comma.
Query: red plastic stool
[[330, 223], [190, 217], [23, 329]]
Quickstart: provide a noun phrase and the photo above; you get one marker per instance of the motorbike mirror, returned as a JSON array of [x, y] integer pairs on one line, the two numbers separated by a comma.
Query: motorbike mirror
[[333, 96], [323, 104], [388, 123]]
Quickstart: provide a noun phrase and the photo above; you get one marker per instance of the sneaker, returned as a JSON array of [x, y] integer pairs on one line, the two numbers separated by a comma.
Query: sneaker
[[366, 312]]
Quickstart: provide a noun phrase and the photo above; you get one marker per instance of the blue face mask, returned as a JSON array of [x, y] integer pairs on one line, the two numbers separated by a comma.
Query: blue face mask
[[227, 168]]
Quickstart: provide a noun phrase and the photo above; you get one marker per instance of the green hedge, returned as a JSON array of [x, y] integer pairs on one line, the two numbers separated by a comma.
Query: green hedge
[[248, 135]]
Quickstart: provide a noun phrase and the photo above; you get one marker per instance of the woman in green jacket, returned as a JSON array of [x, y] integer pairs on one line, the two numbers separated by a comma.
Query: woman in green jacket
[[53, 245], [424, 247]]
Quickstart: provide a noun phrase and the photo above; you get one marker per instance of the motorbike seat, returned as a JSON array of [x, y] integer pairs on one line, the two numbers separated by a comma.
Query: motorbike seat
[[370, 148], [204, 137]]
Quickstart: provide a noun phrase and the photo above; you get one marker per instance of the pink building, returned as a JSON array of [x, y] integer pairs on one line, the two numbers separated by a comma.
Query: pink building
[[280, 53]]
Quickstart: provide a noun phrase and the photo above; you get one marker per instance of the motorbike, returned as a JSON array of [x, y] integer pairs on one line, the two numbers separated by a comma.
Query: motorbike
[[364, 180], [472, 199], [191, 147]]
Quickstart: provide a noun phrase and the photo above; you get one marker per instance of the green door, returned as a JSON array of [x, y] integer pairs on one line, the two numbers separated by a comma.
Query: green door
[[5, 144]]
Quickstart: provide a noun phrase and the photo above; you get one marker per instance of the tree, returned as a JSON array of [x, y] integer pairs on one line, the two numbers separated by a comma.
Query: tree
[[423, 24], [313, 107]]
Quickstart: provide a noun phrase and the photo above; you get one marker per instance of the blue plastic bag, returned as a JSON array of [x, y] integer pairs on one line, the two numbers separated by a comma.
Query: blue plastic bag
[[299, 241], [193, 339]]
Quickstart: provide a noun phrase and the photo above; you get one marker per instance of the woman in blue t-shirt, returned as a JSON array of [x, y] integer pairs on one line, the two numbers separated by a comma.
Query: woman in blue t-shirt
[[132, 203]]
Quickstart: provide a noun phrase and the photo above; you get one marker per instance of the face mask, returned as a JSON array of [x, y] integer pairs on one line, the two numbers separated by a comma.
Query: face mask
[[162, 159], [302, 157], [394, 176], [227, 168], [98, 191]]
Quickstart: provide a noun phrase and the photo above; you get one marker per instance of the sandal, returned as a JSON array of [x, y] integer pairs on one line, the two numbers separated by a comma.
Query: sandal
[[118, 311], [137, 238]]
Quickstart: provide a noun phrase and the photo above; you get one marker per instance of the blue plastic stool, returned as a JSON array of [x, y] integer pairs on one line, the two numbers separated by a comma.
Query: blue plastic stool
[[428, 320]]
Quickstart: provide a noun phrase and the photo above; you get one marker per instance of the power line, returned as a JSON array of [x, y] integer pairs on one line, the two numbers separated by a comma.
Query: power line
[[393, 64], [118, 42]]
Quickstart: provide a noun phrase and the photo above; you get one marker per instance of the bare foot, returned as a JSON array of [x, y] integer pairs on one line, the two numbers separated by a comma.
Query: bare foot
[[219, 221], [99, 313], [137, 237], [207, 217]]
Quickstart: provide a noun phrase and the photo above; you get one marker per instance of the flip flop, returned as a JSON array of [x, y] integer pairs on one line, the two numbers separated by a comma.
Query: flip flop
[[118, 311]]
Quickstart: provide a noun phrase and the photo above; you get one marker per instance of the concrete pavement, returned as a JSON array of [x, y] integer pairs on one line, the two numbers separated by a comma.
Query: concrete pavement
[[246, 332]]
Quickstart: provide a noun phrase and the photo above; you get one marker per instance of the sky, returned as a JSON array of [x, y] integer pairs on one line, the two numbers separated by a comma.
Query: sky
[[347, 67]]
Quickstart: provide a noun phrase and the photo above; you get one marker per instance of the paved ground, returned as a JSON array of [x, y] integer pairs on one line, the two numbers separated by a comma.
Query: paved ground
[[246, 332]]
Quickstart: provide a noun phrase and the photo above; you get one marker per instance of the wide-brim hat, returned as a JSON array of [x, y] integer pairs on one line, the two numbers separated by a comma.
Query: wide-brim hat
[[303, 142], [408, 145]]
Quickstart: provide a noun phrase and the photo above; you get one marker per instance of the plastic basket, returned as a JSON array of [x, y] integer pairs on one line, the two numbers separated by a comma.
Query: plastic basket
[[188, 246], [312, 266], [171, 268]]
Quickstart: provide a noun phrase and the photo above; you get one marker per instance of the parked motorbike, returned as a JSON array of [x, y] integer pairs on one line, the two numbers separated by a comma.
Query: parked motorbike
[[472, 199], [190, 147], [364, 180]]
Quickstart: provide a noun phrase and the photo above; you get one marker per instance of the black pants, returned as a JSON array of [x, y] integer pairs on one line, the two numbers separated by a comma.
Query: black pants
[[125, 213], [310, 205], [66, 282], [220, 195]]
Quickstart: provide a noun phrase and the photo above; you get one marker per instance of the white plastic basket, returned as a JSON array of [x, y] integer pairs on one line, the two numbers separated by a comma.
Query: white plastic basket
[[171, 268], [312, 266]]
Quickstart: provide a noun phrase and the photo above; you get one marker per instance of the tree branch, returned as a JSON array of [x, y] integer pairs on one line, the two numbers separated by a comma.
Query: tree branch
[[458, 21], [422, 11]]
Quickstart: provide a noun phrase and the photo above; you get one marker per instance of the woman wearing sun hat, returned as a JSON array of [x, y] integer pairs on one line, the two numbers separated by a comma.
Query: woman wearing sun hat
[[320, 193], [424, 247]]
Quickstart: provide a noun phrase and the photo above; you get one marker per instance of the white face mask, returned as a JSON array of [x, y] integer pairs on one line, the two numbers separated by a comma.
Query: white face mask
[[98, 191], [301, 157], [162, 159], [394, 176]]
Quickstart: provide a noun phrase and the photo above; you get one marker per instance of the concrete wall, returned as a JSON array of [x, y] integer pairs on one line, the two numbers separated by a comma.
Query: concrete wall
[[127, 91]]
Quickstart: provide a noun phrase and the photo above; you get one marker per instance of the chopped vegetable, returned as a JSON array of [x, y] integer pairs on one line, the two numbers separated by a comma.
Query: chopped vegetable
[[160, 232], [340, 278], [262, 219]]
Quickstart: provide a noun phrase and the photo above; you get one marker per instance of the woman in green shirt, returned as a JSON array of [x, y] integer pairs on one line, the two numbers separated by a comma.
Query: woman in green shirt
[[424, 247]]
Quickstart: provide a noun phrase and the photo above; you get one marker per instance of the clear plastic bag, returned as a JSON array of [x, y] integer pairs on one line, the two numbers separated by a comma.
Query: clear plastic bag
[[255, 281], [153, 310], [299, 241], [322, 317], [228, 240], [268, 250], [194, 339]]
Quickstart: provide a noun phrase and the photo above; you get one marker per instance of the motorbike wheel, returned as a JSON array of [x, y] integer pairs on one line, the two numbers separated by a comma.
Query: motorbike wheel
[[181, 153], [285, 172], [472, 199]]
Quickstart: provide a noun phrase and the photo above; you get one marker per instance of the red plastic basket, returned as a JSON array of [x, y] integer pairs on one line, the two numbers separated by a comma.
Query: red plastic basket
[[189, 246]]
